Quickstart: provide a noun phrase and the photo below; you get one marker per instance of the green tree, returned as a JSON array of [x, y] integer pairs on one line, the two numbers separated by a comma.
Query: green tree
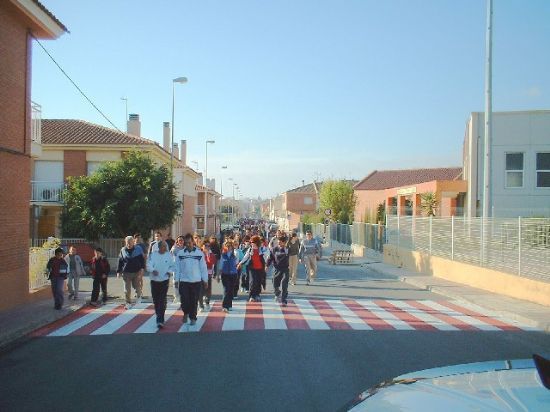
[[338, 196], [428, 203], [121, 198]]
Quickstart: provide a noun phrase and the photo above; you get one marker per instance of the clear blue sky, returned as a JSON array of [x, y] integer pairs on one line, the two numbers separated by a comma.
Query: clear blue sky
[[291, 89]]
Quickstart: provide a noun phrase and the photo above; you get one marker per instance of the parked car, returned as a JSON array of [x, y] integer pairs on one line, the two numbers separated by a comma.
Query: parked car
[[516, 385]]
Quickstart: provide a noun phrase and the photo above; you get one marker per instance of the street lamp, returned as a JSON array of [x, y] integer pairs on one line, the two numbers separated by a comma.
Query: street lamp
[[221, 193], [125, 99], [206, 185], [180, 80]]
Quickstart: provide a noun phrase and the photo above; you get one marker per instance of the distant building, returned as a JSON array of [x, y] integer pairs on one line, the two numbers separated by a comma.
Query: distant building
[[520, 164], [399, 192]]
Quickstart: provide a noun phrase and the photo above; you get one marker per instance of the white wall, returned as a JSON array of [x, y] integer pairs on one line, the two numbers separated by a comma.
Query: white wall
[[527, 132]]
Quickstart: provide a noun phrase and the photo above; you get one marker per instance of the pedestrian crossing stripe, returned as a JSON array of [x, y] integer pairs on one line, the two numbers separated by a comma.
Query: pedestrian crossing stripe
[[304, 314]]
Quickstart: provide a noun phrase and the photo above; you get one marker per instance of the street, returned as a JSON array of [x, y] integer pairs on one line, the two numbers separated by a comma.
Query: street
[[252, 370]]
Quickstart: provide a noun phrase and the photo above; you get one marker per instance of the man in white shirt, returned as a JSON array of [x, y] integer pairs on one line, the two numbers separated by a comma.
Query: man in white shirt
[[190, 272]]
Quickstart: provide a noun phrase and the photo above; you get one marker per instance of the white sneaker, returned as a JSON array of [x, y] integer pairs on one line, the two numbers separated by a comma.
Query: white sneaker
[[138, 301], [201, 310]]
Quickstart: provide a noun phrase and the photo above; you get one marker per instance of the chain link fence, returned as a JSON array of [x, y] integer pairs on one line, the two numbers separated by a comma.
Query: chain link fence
[[519, 246]]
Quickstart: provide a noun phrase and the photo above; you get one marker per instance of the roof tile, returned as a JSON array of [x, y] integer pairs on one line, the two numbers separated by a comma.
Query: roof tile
[[386, 179]]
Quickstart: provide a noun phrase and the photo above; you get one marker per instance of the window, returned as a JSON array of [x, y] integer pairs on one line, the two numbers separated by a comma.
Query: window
[[92, 167], [543, 169], [514, 170], [308, 200]]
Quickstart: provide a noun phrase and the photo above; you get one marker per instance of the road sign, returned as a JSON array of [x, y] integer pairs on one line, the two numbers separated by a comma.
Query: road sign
[[328, 212]]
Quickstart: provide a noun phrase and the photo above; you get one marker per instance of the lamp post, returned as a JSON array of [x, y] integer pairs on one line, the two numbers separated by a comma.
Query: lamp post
[[180, 80], [206, 185], [126, 119], [221, 192]]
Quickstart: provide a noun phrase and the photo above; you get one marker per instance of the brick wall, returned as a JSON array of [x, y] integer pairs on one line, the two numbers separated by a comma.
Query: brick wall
[[74, 163], [14, 158]]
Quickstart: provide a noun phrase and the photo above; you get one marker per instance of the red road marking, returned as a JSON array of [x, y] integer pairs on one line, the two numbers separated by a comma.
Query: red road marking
[[136, 321], [99, 322], [404, 316], [445, 318], [173, 324], [368, 316], [214, 319], [254, 317], [46, 330], [483, 318], [293, 316], [329, 315]]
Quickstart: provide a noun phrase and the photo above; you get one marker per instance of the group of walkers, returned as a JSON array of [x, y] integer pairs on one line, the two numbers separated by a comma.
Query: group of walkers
[[240, 263]]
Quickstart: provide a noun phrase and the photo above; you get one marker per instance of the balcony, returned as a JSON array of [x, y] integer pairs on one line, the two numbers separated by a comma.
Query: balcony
[[47, 192]]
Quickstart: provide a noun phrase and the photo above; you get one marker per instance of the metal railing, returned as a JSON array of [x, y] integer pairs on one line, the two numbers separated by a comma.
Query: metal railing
[[38, 259], [51, 192], [111, 246], [371, 236], [519, 246], [36, 122]]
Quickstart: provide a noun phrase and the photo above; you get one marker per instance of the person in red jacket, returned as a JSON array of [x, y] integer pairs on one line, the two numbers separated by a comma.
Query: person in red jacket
[[211, 261], [100, 269]]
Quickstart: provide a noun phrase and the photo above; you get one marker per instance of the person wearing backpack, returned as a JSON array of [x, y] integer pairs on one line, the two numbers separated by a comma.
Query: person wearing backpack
[[58, 269], [99, 268], [229, 275]]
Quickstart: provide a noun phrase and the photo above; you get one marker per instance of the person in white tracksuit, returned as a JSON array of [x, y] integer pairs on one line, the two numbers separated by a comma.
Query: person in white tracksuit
[[160, 265]]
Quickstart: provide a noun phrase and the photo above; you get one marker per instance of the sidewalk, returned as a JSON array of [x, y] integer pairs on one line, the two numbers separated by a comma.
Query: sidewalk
[[16, 323], [531, 314]]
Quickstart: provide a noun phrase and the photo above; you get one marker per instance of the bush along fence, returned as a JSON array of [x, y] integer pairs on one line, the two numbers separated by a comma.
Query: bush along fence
[[370, 236], [519, 246]]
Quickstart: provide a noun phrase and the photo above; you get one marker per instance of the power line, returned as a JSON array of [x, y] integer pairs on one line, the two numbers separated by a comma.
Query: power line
[[75, 85]]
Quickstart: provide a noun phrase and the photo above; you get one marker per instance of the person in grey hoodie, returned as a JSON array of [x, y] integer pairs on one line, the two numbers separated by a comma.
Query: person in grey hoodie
[[309, 254]]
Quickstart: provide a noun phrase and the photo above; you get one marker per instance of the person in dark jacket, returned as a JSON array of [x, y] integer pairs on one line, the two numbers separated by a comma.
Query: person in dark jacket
[[131, 265], [279, 257], [256, 263], [58, 270], [100, 269], [293, 251], [215, 249]]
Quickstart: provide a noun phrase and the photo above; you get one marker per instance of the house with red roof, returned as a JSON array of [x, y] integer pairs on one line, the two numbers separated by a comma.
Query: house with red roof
[[399, 192], [77, 148]]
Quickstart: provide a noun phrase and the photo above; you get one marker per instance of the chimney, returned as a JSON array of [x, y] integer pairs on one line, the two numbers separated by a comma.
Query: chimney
[[183, 154], [303, 182], [175, 150], [134, 125], [166, 136]]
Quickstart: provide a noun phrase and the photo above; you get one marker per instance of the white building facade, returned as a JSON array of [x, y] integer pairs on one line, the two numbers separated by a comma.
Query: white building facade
[[520, 164]]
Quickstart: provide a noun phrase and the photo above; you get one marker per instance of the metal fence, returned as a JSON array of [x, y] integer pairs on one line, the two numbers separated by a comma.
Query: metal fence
[[371, 236], [519, 246], [111, 247], [38, 259]]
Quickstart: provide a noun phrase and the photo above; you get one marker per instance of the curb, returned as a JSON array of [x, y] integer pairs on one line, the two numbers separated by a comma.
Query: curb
[[14, 335]]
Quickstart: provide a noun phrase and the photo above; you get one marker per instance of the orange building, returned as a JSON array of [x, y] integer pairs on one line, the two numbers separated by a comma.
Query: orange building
[[20, 21], [399, 192]]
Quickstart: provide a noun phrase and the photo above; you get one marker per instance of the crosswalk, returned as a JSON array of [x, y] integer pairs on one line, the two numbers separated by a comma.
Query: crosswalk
[[304, 314]]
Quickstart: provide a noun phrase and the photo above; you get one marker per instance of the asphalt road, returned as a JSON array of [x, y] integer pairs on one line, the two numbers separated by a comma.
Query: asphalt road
[[242, 370]]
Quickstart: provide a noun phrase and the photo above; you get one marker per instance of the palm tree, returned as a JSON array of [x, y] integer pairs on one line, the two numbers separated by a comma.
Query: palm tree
[[428, 203]]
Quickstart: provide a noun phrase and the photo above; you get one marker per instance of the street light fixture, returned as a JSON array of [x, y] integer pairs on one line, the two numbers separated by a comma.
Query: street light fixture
[[206, 185], [181, 80]]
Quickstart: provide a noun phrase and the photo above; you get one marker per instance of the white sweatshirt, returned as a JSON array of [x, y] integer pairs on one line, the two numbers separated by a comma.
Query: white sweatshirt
[[190, 266], [162, 263]]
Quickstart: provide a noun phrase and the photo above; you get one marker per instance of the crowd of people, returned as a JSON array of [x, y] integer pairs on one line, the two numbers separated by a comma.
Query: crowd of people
[[241, 262]]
